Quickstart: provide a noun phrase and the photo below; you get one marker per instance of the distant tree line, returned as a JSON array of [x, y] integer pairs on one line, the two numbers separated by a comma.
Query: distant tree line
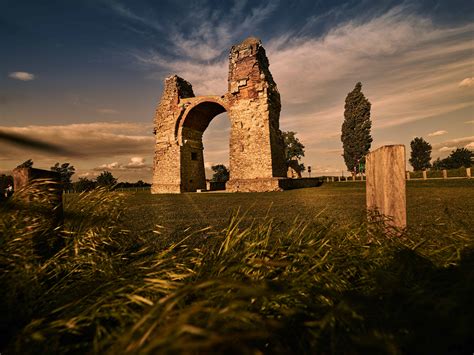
[[66, 171], [420, 157], [357, 140]]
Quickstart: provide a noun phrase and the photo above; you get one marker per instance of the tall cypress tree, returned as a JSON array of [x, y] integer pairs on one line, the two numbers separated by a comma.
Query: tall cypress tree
[[355, 137]]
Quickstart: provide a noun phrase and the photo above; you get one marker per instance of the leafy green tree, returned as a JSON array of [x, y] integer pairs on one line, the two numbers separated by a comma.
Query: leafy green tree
[[461, 157], [26, 164], [84, 184], [221, 173], [66, 171], [438, 164], [355, 137], [294, 149], [420, 154], [106, 179], [140, 183]]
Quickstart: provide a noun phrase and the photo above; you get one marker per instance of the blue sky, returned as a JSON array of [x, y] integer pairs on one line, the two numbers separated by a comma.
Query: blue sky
[[89, 74]]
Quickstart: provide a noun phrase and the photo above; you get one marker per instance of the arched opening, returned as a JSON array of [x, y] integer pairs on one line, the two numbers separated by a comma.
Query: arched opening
[[194, 124], [216, 139]]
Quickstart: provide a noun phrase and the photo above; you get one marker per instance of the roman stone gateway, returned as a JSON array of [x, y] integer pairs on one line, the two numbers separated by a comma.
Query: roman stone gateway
[[252, 103]]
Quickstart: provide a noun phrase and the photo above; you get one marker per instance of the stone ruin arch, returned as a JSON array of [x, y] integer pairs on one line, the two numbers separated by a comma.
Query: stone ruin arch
[[252, 103]]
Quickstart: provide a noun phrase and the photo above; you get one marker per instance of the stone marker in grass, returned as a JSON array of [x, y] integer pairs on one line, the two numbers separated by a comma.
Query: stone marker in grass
[[386, 185], [43, 202]]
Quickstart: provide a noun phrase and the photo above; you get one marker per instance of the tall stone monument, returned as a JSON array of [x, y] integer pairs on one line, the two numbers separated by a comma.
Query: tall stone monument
[[252, 103]]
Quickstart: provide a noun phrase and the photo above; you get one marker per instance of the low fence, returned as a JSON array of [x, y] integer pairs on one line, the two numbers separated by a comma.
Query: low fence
[[461, 173]]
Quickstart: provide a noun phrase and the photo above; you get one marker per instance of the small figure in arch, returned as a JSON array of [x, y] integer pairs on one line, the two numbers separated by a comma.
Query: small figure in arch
[[9, 191]]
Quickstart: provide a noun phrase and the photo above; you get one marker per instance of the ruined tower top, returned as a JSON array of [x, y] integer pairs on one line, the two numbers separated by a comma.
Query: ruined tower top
[[249, 74], [248, 42]]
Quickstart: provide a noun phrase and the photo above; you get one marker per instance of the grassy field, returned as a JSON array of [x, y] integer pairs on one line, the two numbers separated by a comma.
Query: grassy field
[[272, 273], [446, 204]]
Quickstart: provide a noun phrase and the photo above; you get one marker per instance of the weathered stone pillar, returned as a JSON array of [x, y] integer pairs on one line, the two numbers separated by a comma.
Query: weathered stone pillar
[[40, 192], [257, 149], [386, 185], [468, 173], [445, 174], [424, 175]]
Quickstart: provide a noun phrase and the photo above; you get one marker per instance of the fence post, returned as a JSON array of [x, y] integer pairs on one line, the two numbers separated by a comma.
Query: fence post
[[386, 185], [424, 175], [445, 174], [408, 175], [468, 173]]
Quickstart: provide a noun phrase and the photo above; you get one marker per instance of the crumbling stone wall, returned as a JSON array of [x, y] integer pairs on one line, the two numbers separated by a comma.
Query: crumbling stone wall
[[256, 160]]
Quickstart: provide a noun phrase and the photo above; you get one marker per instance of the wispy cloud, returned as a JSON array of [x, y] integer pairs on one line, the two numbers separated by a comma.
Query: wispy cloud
[[127, 13], [213, 29], [437, 133], [213, 32], [452, 144], [93, 140], [135, 163], [107, 111], [21, 75], [467, 83], [405, 61], [446, 149]]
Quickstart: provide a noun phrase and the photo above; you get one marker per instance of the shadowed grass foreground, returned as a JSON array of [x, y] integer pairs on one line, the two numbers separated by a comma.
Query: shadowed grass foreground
[[253, 285]]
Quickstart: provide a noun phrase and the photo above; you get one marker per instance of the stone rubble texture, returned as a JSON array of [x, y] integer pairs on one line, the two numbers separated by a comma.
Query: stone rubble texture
[[253, 106]]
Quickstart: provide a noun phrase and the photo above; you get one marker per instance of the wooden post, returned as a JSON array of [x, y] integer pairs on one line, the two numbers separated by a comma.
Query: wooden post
[[339, 179], [408, 175], [386, 185], [468, 173], [445, 174], [424, 175], [43, 200], [332, 178]]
